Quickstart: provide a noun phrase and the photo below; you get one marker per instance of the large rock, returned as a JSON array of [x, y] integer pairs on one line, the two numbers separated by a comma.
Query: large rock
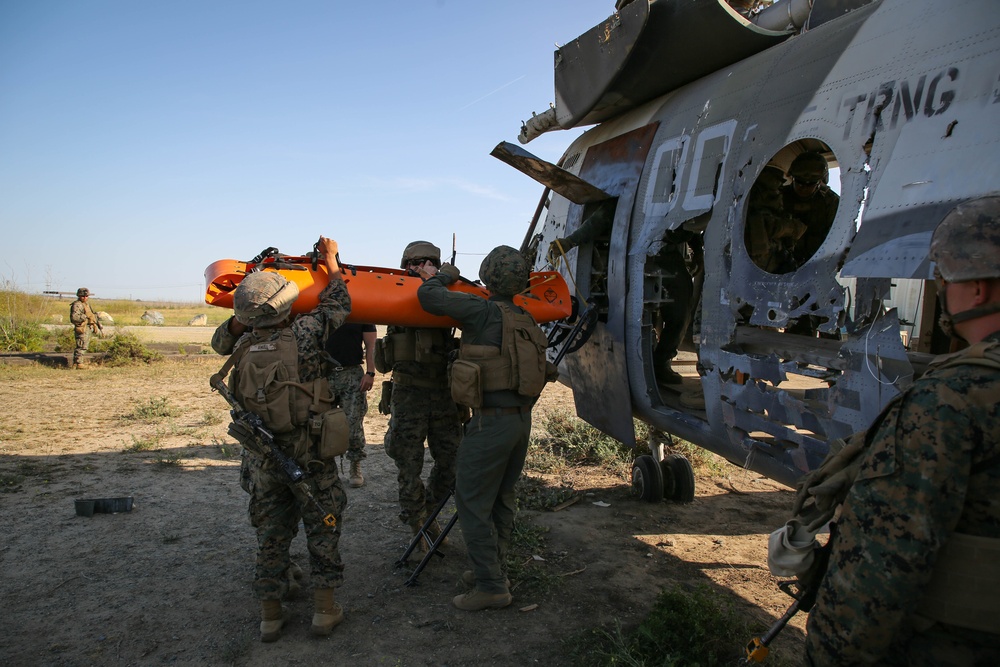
[[198, 321], [152, 317], [104, 318]]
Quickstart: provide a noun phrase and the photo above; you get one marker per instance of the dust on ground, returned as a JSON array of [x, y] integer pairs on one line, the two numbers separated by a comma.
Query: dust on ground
[[169, 582]]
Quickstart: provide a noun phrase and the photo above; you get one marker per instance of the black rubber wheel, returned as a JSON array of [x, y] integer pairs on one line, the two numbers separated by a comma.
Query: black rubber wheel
[[683, 476], [646, 482], [667, 475]]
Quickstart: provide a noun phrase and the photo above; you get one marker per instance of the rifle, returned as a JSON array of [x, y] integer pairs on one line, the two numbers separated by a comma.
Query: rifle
[[249, 430], [805, 597]]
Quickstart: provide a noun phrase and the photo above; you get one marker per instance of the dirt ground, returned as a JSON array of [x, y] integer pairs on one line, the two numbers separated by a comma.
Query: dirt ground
[[169, 582]]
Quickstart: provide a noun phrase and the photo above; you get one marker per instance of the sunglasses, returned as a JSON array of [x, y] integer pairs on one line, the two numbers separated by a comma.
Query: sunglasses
[[805, 183], [417, 262]]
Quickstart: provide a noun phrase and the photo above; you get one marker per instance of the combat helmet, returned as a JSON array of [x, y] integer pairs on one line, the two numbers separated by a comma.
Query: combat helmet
[[421, 250], [809, 167], [505, 271], [966, 244], [264, 299], [82, 292]]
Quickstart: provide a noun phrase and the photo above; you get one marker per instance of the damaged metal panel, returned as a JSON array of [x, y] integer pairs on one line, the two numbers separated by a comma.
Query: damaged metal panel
[[646, 50]]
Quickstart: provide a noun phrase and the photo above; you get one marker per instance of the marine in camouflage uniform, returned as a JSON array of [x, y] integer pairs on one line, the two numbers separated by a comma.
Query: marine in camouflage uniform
[[83, 318], [276, 505], [904, 586], [422, 409], [495, 444], [351, 383]]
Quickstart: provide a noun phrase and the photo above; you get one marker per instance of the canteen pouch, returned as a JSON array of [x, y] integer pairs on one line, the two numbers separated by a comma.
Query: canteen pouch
[[466, 384], [334, 436]]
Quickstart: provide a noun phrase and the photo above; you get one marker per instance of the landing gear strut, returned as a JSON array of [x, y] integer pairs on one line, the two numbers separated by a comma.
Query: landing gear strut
[[662, 476]]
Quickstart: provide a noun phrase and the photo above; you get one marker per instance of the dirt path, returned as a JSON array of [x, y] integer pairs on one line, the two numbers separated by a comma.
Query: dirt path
[[169, 582]]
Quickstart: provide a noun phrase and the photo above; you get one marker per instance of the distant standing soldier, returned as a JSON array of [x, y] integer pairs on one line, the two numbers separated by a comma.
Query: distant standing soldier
[[499, 373], [914, 576], [83, 318], [349, 345], [421, 407]]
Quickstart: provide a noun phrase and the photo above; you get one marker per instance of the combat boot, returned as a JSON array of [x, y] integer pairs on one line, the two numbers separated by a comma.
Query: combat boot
[[327, 614], [477, 600], [272, 619], [357, 479]]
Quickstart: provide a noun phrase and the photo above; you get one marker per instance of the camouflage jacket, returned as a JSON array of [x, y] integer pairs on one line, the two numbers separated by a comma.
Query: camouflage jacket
[[81, 314], [310, 330], [931, 468]]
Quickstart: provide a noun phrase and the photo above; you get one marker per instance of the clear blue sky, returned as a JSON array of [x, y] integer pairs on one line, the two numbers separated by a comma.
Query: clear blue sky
[[141, 141]]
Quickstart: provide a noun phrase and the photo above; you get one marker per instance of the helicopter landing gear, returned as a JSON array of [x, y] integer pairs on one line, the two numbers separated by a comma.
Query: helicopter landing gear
[[662, 476], [647, 481]]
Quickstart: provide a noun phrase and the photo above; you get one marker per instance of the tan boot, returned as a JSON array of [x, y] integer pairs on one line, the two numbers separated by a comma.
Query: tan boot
[[272, 619], [477, 600], [327, 614], [357, 479]]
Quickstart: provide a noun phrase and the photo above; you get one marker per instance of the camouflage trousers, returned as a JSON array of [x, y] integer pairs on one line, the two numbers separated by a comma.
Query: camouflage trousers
[[82, 340], [276, 506], [489, 465], [420, 414], [346, 385]]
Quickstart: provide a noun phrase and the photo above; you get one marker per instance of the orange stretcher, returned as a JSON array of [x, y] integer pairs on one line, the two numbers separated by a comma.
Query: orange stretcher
[[380, 295]]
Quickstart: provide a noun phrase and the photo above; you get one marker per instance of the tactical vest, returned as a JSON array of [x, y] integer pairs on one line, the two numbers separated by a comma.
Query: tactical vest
[[518, 364], [430, 347]]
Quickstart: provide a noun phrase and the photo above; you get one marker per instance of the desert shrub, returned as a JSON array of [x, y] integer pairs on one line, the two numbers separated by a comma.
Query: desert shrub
[[686, 626], [150, 410], [125, 349], [572, 441], [21, 317]]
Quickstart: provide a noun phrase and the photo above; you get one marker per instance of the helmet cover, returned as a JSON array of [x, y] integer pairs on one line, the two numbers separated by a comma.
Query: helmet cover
[[264, 299]]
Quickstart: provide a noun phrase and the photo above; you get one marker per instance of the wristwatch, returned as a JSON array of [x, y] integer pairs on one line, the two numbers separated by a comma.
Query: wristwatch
[[370, 373]]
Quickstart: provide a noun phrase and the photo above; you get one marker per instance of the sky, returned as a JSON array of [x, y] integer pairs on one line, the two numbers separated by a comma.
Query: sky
[[142, 141]]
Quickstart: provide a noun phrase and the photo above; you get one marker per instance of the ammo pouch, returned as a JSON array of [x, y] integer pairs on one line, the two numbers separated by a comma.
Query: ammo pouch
[[331, 433], [385, 403], [383, 363], [466, 384]]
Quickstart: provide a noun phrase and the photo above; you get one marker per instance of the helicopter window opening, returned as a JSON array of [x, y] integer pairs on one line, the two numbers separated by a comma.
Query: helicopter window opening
[[791, 207]]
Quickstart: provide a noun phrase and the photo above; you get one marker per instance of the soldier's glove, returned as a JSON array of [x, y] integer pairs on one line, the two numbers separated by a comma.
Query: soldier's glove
[[822, 490], [557, 249], [551, 372], [790, 549], [449, 271]]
